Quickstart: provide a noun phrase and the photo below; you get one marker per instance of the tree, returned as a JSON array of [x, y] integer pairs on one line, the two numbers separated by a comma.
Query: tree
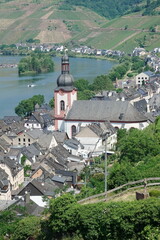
[[81, 84], [27, 228], [136, 145], [8, 222], [51, 103], [85, 95], [102, 82], [36, 63], [26, 107], [55, 227]]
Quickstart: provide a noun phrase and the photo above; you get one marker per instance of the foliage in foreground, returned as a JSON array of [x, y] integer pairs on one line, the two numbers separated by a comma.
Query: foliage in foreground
[[101, 221], [66, 219], [26, 228]]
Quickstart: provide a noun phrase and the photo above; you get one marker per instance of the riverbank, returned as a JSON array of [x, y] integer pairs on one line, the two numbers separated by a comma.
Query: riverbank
[[95, 57]]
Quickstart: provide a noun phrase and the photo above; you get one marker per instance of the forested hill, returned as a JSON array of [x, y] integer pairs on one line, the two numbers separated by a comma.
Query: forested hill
[[116, 8]]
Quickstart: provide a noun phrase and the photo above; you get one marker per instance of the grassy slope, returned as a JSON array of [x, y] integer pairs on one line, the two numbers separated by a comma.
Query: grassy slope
[[20, 21]]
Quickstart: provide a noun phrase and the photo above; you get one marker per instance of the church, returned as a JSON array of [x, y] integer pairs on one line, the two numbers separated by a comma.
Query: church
[[71, 114]]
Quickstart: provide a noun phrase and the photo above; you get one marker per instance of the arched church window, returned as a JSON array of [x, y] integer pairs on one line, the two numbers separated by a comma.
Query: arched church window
[[62, 105], [73, 130]]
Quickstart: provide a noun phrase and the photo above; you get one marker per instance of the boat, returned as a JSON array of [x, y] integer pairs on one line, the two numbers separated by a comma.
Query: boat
[[31, 85]]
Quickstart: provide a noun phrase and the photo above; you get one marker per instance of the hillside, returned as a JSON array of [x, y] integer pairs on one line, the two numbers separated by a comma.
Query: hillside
[[55, 22]]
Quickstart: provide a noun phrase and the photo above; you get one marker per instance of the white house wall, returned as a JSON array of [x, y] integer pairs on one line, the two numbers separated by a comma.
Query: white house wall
[[17, 179], [33, 125], [141, 77], [5, 195]]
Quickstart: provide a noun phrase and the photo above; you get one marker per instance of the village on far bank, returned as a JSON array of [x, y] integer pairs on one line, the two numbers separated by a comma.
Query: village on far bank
[[46, 152]]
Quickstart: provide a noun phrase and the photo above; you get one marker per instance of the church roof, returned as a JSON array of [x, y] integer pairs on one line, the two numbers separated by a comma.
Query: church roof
[[65, 80], [114, 111]]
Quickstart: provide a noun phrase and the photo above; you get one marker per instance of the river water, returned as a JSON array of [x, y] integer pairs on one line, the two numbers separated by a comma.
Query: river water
[[13, 88]]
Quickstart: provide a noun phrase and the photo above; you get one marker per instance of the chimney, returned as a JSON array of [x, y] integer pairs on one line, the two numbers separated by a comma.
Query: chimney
[[27, 197]]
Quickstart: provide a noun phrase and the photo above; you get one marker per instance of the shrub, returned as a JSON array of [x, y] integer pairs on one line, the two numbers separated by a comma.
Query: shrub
[[154, 193]]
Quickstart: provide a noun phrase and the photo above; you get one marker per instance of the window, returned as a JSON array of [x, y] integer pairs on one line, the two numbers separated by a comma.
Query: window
[[29, 140], [62, 105], [19, 139], [24, 139], [73, 129]]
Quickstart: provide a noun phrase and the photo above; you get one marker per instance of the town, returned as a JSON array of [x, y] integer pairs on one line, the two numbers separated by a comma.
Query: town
[[44, 154]]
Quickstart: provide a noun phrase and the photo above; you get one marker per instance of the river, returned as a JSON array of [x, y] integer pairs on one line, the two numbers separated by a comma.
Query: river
[[13, 88]]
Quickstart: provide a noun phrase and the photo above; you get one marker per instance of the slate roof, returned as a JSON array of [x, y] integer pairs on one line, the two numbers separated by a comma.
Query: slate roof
[[114, 111], [141, 105], [3, 145], [35, 133], [30, 151], [60, 136], [45, 139], [11, 119], [148, 73], [61, 154], [3, 179], [71, 174], [59, 179], [43, 188], [101, 128], [14, 166], [73, 143]]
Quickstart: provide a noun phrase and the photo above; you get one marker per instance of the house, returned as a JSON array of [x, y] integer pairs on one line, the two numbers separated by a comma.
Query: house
[[11, 119], [96, 136], [27, 137], [5, 189], [36, 188], [74, 146], [4, 146], [139, 52], [143, 78], [39, 120], [71, 174], [31, 153], [14, 171]]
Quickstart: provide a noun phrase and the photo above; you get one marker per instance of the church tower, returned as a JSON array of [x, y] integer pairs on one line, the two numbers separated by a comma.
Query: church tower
[[64, 94]]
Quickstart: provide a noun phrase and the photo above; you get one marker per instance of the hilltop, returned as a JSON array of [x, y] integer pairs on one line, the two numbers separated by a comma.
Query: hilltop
[[56, 22]]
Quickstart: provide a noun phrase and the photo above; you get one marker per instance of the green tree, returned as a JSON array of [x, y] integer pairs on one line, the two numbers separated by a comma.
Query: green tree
[[85, 95], [51, 103], [102, 82], [36, 63], [26, 107], [55, 226], [27, 228], [81, 84], [8, 221], [136, 145]]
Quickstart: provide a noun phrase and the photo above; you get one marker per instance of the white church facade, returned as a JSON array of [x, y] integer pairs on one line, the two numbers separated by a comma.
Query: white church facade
[[71, 113]]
